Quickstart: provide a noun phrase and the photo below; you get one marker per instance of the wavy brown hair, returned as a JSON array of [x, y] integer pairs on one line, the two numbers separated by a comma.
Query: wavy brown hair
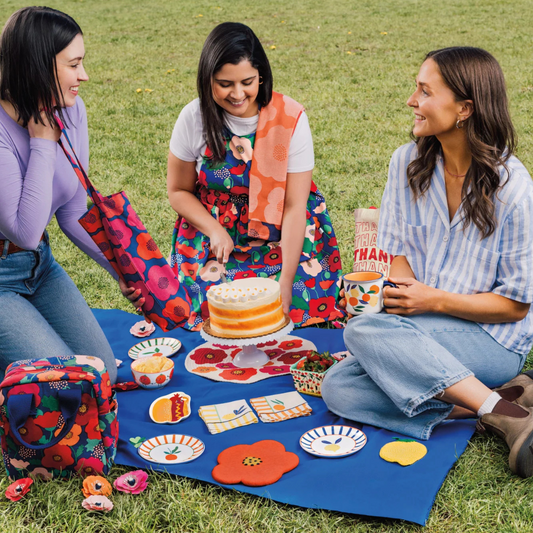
[[472, 74]]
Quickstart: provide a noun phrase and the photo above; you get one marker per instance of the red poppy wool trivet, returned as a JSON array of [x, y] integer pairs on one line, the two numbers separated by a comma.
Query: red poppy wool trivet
[[254, 465], [215, 361]]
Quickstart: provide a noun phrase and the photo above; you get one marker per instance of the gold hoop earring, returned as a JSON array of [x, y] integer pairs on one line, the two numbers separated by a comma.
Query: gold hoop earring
[[459, 124]]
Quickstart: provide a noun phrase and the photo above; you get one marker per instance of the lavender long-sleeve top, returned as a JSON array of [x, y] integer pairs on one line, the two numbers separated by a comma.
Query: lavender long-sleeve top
[[37, 181]]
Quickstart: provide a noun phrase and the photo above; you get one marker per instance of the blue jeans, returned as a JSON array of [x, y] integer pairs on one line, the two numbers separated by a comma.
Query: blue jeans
[[42, 312], [398, 365]]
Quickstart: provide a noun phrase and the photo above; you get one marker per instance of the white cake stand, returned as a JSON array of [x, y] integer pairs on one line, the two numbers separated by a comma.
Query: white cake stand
[[250, 356]]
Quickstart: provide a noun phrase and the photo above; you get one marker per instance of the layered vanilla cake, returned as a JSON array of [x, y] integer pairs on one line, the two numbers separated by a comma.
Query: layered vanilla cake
[[245, 308]]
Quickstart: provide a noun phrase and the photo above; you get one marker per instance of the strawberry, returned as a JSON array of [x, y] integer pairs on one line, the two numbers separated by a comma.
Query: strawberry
[[315, 362]]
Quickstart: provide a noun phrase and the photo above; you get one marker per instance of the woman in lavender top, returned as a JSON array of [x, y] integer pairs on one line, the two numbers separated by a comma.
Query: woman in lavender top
[[42, 313]]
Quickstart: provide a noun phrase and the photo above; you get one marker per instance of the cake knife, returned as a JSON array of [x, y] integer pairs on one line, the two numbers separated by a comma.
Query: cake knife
[[223, 275]]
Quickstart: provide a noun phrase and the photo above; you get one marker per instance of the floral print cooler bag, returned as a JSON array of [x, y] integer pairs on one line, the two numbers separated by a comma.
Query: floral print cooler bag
[[58, 417]]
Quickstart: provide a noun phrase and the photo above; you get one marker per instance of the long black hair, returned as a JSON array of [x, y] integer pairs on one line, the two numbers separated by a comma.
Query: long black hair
[[30, 41], [472, 74], [229, 42]]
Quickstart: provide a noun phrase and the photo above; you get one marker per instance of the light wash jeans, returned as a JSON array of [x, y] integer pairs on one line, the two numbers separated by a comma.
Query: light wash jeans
[[43, 314], [399, 364]]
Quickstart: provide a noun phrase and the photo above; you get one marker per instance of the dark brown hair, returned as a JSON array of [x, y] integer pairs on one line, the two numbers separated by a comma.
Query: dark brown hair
[[30, 41], [229, 42], [472, 74]]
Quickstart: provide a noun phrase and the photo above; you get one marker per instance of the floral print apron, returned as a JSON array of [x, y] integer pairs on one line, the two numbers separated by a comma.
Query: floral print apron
[[223, 190]]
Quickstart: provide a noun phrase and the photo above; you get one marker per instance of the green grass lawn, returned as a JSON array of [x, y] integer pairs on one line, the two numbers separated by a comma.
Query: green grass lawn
[[353, 65]]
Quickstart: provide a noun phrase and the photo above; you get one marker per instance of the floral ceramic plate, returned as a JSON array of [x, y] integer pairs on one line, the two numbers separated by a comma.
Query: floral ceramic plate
[[164, 346], [333, 441], [171, 449]]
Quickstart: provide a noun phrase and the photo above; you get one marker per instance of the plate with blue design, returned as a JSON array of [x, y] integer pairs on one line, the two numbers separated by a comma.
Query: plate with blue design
[[333, 441]]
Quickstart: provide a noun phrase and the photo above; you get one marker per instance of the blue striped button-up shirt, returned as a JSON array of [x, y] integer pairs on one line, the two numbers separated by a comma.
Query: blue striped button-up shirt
[[443, 254]]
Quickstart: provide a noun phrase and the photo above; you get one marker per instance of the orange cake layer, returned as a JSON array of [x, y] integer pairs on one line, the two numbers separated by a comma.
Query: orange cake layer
[[248, 307], [223, 313]]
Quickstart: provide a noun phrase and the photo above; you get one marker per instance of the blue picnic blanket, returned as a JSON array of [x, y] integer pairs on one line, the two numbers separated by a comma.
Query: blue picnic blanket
[[361, 483]]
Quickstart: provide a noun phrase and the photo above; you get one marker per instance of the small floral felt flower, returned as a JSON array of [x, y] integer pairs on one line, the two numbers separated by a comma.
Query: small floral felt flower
[[255, 465], [97, 503], [142, 329], [18, 489], [132, 482], [96, 486]]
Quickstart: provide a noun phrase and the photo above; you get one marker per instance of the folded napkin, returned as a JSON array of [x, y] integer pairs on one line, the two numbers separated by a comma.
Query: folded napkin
[[223, 416], [279, 407]]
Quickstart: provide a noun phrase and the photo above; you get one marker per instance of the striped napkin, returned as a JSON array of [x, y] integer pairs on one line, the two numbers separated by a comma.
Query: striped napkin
[[279, 407], [223, 416]]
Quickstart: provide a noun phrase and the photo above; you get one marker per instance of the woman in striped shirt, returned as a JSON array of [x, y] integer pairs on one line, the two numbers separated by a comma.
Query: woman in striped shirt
[[457, 215]]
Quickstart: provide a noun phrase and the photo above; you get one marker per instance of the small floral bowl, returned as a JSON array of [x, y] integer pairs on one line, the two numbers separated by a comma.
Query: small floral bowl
[[152, 372], [308, 382]]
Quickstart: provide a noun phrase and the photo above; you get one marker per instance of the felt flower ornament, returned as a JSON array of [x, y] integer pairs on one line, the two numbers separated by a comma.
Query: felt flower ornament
[[96, 486], [132, 482], [18, 489], [142, 329], [97, 503], [255, 465]]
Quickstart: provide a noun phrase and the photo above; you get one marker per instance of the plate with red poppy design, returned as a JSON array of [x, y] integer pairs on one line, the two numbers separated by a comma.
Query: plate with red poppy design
[[333, 441], [171, 449], [160, 346]]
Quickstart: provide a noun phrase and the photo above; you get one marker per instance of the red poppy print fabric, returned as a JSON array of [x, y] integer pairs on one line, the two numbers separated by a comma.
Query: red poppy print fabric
[[215, 361], [116, 229], [223, 189], [87, 446]]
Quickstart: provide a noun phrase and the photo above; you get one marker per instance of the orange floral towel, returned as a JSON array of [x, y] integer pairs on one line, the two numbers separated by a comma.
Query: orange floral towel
[[268, 172]]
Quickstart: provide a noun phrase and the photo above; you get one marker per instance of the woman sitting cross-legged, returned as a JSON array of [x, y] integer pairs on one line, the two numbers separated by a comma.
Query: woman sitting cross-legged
[[457, 214], [239, 176]]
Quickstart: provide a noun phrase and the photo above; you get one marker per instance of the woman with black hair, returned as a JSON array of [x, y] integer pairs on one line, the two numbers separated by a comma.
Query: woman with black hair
[[457, 214], [239, 176], [42, 313]]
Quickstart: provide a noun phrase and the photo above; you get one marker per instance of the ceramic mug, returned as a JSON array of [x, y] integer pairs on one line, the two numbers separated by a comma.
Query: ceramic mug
[[364, 292]]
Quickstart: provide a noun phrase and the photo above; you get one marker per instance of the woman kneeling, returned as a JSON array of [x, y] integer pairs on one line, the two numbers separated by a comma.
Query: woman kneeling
[[239, 176]]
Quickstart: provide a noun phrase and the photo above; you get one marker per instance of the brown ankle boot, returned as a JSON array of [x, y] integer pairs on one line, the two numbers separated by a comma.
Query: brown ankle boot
[[522, 386], [518, 434]]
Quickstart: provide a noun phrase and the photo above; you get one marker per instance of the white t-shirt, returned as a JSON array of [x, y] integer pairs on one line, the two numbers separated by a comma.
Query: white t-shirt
[[188, 144]]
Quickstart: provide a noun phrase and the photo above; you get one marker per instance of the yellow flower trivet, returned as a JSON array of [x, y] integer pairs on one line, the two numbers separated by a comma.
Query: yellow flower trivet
[[403, 451]]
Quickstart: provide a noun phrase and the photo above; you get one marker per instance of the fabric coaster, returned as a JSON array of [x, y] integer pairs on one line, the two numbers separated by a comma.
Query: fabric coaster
[[255, 465], [223, 416], [403, 451], [279, 407], [215, 361]]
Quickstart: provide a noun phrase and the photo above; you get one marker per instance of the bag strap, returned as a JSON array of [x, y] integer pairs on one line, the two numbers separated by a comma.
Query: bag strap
[[92, 193], [21, 406]]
